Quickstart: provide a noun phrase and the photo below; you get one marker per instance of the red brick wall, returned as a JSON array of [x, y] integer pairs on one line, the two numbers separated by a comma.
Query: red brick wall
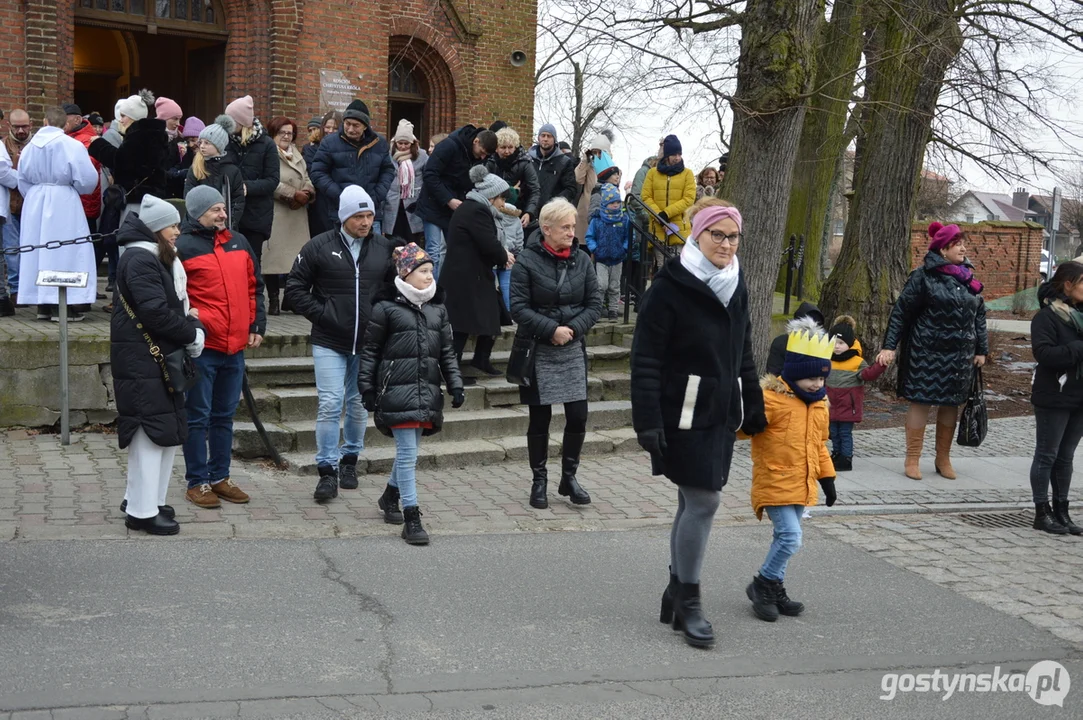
[[1006, 255]]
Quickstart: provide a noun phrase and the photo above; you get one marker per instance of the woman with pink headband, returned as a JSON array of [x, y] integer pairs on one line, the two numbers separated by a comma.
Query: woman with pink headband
[[694, 385]]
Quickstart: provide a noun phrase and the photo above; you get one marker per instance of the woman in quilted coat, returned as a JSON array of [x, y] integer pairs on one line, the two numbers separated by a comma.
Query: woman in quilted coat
[[937, 332]]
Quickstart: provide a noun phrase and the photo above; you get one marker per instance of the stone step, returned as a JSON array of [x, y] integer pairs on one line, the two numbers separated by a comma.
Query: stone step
[[459, 426], [466, 453]]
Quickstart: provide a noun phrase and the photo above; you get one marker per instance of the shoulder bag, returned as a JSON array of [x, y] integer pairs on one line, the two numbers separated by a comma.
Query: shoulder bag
[[524, 347], [974, 419], [178, 369]]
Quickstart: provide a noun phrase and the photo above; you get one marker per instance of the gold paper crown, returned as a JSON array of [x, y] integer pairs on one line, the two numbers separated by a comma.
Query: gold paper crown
[[807, 338]]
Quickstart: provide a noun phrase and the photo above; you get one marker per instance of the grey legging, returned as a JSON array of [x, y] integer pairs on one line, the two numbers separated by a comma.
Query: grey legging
[[691, 528]]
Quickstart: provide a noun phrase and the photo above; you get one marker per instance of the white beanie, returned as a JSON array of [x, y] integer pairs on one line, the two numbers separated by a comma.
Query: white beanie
[[405, 131], [352, 201], [157, 214], [131, 106]]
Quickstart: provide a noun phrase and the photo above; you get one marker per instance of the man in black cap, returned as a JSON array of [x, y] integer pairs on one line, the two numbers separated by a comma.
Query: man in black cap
[[75, 117]]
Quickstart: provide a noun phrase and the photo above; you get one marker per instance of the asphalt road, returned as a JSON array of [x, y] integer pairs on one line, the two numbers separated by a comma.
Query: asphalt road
[[560, 625]]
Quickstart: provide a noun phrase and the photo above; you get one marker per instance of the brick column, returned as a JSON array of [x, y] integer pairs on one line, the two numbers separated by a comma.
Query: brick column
[[285, 37], [49, 25]]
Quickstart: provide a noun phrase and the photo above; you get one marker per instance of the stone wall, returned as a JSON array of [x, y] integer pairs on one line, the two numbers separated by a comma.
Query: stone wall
[[30, 383], [1006, 255]]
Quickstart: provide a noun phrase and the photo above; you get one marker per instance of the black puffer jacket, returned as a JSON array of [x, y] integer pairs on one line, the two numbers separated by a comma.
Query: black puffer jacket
[[406, 352], [777, 357], [447, 176], [143, 160], [141, 394], [539, 307], [1058, 349], [225, 177], [556, 175], [335, 293], [937, 326], [518, 170], [258, 162]]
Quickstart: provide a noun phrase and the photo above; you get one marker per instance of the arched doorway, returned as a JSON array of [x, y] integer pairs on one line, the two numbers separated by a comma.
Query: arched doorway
[[175, 48], [420, 88]]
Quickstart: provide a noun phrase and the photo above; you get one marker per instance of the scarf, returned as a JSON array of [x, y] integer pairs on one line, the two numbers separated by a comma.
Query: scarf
[[412, 294], [963, 274], [476, 196], [406, 174], [180, 278], [257, 132], [670, 169], [559, 254], [807, 397], [287, 155], [722, 281], [844, 356], [1072, 317]]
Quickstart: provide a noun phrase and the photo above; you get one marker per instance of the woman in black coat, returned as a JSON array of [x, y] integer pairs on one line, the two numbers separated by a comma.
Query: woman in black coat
[[511, 163], [150, 307], [474, 247], [938, 329], [1056, 336], [694, 385], [213, 166], [143, 161], [256, 154], [555, 300]]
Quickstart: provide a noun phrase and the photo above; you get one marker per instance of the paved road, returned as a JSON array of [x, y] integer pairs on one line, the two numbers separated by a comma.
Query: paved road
[[510, 626]]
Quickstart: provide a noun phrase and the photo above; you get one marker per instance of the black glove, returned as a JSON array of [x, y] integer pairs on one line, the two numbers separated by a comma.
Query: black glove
[[369, 400], [653, 441], [458, 397], [828, 484], [754, 424], [664, 216]]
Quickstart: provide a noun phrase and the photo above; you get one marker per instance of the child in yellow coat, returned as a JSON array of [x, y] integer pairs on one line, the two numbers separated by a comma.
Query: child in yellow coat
[[790, 460]]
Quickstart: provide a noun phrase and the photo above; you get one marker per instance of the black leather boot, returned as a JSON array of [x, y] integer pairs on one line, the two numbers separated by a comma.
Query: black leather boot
[[157, 525], [1045, 521], [668, 597], [844, 463], [389, 505], [785, 605], [573, 447], [166, 510], [764, 596], [688, 617], [272, 304], [1060, 513], [347, 472], [537, 447], [412, 531], [327, 486]]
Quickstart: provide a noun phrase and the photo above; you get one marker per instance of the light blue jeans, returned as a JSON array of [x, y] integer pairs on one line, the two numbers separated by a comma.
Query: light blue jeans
[[787, 541], [336, 386], [404, 471], [11, 240], [434, 246], [504, 278]]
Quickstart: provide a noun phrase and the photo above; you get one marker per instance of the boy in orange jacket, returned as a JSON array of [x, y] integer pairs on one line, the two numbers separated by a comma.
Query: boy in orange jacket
[[790, 460]]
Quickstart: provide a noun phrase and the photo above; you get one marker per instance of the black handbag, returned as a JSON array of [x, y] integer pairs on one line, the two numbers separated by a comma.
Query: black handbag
[[524, 348], [178, 369], [974, 419]]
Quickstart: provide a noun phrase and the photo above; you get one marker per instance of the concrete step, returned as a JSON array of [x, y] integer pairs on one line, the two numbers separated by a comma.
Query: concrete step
[[466, 453], [459, 426]]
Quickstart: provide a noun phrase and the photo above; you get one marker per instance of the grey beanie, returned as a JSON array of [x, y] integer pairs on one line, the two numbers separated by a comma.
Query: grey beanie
[[549, 128], [218, 132], [157, 214], [489, 185], [200, 199]]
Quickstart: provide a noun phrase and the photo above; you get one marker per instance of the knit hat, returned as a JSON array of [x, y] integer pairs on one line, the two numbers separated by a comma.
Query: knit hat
[[200, 199], [808, 351], [357, 110], [243, 111], [549, 128], [601, 142], [166, 109], [352, 201], [131, 106], [489, 185], [193, 126], [405, 132], [844, 329], [942, 235], [671, 146], [315, 123], [497, 125], [72, 109], [95, 119], [409, 258], [158, 214], [218, 132], [609, 172], [609, 195], [711, 214]]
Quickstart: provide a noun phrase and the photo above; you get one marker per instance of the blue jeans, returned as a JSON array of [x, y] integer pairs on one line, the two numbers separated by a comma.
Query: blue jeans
[[11, 240], [211, 405], [787, 522], [336, 385], [842, 439], [434, 246], [504, 278], [404, 471]]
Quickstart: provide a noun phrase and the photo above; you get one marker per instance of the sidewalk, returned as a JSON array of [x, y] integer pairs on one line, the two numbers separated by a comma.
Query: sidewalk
[[50, 492]]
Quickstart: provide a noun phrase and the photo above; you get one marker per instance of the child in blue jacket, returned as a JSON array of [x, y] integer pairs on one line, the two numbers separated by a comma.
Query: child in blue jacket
[[607, 241]]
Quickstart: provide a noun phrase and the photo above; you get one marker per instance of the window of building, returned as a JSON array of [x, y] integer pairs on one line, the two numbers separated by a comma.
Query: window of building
[[144, 12], [970, 218], [990, 216]]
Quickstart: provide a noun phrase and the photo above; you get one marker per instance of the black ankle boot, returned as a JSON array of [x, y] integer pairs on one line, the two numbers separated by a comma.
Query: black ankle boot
[[537, 447], [764, 596], [688, 617], [487, 367], [157, 525], [1045, 521], [347, 472], [389, 505], [1060, 513], [272, 304], [844, 463], [785, 605], [670, 594], [573, 447], [412, 531], [166, 510], [327, 485]]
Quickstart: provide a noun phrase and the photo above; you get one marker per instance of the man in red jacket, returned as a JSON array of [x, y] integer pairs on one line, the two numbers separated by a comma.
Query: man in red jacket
[[226, 287]]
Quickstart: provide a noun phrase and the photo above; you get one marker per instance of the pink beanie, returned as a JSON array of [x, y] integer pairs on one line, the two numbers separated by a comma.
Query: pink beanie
[[242, 111], [942, 235], [711, 214], [167, 108]]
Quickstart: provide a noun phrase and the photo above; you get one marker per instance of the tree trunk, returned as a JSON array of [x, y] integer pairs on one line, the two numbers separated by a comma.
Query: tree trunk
[[774, 73], [910, 44], [823, 138]]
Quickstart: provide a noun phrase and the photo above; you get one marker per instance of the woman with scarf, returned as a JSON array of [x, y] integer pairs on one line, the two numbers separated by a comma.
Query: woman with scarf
[[937, 331], [669, 190], [255, 154], [410, 160], [289, 233], [694, 385], [212, 166], [474, 247], [1056, 336]]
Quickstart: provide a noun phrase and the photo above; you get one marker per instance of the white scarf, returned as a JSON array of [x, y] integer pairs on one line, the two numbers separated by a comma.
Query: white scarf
[[412, 294], [406, 174], [180, 278], [723, 281]]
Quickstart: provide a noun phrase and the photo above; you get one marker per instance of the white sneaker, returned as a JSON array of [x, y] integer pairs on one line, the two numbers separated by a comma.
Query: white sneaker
[[806, 515]]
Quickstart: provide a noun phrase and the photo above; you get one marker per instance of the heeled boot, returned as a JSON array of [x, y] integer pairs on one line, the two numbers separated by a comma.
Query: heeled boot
[[915, 440], [537, 447], [570, 452], [945, 435], [668, 598], [688, 617]]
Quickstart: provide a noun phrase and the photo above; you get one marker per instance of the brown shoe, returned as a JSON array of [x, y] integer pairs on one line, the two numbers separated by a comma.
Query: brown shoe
[[945, 435], [227, 490], [915, 439], [202, 496]]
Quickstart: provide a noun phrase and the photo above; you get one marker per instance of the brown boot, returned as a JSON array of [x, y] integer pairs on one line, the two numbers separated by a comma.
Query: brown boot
[[945, 434], [915, 438]]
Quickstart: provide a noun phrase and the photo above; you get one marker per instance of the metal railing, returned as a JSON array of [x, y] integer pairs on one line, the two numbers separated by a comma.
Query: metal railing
[[637, 272]]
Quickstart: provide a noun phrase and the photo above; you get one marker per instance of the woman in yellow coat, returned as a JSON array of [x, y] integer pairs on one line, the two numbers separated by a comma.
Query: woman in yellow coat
[[669, 190], [790, 459]]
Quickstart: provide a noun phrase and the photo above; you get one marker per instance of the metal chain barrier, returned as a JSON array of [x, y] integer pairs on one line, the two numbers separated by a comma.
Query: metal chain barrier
[[57, 244]]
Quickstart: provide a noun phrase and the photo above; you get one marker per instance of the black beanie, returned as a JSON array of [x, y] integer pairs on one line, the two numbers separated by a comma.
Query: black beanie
[[844, 330], [357, 110]]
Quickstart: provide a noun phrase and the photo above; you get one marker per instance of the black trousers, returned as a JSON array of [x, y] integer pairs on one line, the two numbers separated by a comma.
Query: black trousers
[[483, 347]]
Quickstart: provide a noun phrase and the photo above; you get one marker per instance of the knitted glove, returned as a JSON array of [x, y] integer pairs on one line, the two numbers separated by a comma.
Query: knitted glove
[[369, 400], [458, 397], [828, 484], [653, 441], [754, 424]]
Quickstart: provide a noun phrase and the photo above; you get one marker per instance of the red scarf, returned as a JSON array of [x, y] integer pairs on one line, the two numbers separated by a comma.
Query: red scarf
[[562, 254]]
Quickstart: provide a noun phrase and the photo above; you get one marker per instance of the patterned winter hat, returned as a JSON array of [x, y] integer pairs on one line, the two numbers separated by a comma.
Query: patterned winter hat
[[409, 258]]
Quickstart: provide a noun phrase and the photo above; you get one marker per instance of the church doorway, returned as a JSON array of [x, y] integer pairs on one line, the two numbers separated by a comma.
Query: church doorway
[[174, 48], [420, 89]]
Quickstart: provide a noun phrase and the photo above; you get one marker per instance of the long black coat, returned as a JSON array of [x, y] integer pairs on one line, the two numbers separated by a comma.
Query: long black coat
[[693, 375], [140, 390], [258, 162], [937, 326], [518, 170], [407, 351], [473, 249], [447, 176], [1058, 349], [143, 160]]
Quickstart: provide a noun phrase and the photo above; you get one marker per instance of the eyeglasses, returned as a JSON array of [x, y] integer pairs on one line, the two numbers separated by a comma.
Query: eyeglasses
[[285, 133], [720, 238]]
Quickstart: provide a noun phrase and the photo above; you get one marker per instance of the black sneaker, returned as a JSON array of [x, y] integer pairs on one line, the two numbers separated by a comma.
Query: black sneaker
[[6, 308], [763, 594], [347, 472], [412, 532], [327, 486]]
